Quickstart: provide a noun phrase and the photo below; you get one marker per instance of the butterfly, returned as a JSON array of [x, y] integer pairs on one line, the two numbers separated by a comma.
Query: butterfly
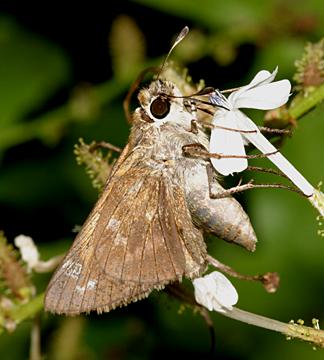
[[146, 229]]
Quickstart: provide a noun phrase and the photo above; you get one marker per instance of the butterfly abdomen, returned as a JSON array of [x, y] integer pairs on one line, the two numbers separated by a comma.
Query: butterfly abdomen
[[223, 217]]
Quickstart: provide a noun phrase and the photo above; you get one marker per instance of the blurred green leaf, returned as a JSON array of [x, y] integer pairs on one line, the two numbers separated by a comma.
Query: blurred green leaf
[[213, 13], [282, 53], [31, 70], [242, 15]]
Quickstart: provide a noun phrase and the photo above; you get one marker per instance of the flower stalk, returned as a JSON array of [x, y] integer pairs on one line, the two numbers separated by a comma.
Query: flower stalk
[[291, 330]]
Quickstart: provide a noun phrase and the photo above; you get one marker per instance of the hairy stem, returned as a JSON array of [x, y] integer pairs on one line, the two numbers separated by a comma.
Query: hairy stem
[[302, 106]]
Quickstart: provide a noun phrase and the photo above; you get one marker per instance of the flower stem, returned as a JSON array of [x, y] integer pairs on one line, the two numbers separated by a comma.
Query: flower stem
[[309, 334], [35, 339], [301, 106]]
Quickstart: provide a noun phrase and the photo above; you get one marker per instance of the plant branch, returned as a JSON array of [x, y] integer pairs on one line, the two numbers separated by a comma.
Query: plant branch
[[293, 330], [301, 106]]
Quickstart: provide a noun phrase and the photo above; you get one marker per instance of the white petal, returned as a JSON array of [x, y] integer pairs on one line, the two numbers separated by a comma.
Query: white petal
[[265, 97], [261, 78], [227, 142], [264, 145], [215, 292], [225, 292], [202, 293]]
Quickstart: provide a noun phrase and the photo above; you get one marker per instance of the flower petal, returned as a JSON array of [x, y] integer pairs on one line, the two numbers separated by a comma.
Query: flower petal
[[225, 292], [202, 293], [215, 292], [227, 142], [265, 97], [264, 145], [261, 78]]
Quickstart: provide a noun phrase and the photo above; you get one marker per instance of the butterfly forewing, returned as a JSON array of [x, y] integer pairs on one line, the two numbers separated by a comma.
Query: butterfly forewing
[[138, 237]]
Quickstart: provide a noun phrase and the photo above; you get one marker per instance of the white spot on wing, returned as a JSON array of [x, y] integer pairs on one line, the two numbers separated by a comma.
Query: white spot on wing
[[91, 285], [66, 264], [149, 215], [120, 240], [80, 289], [112, 224], [73, 269]]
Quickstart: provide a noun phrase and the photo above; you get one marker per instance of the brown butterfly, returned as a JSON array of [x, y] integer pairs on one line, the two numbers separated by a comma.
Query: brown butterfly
[[146, 229]]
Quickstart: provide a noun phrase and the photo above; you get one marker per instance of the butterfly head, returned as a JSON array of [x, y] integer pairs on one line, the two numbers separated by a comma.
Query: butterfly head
[[163, 103]]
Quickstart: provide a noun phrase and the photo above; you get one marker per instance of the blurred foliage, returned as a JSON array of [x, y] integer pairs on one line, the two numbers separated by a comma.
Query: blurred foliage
[[46, 105], [31, 70], [127, 46], [97, 165], [13, 275], [310, 68]]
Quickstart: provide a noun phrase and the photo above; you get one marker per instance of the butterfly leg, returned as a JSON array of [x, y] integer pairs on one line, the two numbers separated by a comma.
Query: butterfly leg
[[269, 280], [214, 192], [214, 189], [194, 127], [197, 150], [194, 150], [268, 130], [190, 106]]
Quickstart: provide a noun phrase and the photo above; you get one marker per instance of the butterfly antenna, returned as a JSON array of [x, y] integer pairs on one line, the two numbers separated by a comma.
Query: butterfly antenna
[[135, 85], [133, 88], [179, 38]]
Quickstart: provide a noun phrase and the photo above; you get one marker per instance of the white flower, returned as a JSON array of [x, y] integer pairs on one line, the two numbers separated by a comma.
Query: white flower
[[215, 292], [28, 250], [261, 93]]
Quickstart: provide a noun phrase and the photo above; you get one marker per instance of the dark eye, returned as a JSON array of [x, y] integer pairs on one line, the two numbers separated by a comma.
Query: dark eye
[[160, 108]]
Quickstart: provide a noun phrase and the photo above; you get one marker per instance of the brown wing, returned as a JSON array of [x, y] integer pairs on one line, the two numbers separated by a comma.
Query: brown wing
[[138, 237]]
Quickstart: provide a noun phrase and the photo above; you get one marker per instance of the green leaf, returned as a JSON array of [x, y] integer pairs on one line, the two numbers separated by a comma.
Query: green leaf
[[31, 70]]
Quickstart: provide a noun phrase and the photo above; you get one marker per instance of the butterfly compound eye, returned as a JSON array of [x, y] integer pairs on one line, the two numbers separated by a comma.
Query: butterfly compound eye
[[160, 108]]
